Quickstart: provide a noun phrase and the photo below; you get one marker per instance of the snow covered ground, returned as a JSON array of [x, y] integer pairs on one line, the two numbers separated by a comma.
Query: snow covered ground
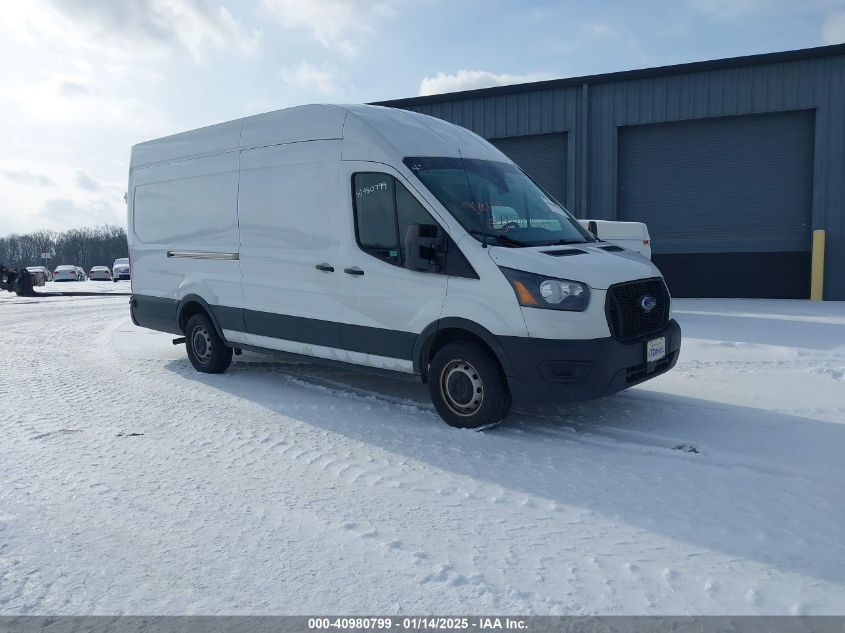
[[131, 484]]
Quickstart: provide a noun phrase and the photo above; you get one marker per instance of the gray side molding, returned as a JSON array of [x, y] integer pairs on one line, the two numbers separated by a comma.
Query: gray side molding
[[203, 255]]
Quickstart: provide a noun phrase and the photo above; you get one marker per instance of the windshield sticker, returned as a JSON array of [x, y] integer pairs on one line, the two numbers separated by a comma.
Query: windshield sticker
[[478, 207], [365, 191], [505, 225]]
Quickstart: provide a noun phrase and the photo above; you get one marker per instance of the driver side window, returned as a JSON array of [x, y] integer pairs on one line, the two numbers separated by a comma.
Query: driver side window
[[384, 209]]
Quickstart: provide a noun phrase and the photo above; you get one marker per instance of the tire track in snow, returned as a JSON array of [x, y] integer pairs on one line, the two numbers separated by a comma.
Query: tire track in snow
[[261, 474]]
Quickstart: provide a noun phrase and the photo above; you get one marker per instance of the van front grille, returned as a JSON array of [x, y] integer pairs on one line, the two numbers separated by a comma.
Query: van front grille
[[627, 310]]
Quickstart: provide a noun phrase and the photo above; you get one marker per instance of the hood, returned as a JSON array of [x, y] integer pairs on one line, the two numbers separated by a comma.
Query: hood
[[594, 266]]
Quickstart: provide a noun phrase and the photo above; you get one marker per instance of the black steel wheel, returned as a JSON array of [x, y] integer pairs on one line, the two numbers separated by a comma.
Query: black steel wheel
[[206, 350], [467, 386]]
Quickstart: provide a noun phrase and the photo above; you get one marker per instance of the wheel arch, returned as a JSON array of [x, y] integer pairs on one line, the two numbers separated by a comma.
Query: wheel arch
[[194, 304], [449, 329]]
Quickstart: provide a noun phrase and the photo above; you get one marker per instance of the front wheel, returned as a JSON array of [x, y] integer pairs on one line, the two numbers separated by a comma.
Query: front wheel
[[205, 348], [467, 386]]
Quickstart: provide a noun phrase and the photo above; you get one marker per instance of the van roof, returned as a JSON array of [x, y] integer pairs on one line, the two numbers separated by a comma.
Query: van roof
[[368, 132]]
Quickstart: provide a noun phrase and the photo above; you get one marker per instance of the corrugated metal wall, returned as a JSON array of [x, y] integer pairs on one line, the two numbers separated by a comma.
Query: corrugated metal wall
[[728, 184], [813, 83], [541, 156]]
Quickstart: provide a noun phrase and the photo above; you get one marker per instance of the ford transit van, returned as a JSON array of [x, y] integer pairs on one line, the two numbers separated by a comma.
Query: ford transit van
[[388, 239]]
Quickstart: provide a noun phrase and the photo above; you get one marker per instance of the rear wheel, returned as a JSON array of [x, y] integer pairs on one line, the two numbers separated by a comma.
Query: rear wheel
[[467, 386], [205, 348]]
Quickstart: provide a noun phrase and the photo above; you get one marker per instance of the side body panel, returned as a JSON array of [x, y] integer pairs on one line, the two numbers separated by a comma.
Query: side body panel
[[296, 213], [288, 226], [386, 296], [488, 301], [183, 229]]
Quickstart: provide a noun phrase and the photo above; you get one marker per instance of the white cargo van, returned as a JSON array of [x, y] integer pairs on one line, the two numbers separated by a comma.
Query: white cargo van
[[389, 239]]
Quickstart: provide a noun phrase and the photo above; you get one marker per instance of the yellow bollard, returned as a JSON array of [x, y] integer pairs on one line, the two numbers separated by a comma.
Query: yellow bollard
[[817, 274]]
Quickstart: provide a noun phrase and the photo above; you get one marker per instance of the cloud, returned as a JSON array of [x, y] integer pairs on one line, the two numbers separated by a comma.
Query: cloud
[[471, 80], [339, 25], [601, 29], [24, 177], [833, 29], [72, 89], [130, 29], [66, 100], [69, 198], [85, 181], [304, 76], [80, 213]]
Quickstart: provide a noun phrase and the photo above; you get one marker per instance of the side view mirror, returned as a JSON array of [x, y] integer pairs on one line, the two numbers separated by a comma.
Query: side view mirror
[[425, 248], [593, 228]]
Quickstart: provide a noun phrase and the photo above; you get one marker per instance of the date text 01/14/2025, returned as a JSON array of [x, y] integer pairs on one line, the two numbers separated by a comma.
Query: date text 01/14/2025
[[417, 623]]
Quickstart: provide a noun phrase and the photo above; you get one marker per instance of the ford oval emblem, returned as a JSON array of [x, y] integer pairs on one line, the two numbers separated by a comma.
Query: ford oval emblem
[[648, 303]]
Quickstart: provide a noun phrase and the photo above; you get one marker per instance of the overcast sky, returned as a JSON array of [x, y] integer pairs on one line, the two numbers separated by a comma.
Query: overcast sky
[[82, 80]]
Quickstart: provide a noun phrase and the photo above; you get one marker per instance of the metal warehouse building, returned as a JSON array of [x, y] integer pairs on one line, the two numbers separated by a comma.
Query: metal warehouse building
[[732, 163]]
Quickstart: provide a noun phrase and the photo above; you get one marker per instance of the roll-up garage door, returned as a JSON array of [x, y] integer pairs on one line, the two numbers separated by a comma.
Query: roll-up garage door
[[541, 156], [727, 201]]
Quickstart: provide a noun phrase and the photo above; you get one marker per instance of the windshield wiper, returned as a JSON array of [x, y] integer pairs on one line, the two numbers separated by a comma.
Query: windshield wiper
[[501, 238], [565, 242], [507, 239]]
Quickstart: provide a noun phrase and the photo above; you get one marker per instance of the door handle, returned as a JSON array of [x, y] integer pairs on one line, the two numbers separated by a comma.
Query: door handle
[[353, 271], [326, 268]]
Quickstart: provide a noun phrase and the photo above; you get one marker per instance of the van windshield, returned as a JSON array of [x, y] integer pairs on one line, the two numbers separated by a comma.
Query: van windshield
[[497, 202]]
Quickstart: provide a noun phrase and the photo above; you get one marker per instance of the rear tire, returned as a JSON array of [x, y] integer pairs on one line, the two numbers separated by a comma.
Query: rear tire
[[206, 350], [467, 386]]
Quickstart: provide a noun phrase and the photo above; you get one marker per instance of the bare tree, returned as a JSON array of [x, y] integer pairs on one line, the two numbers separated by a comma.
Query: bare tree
[[86, 247]]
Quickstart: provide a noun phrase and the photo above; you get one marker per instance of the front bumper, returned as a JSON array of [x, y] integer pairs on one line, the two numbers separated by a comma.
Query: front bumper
[[549, 371]]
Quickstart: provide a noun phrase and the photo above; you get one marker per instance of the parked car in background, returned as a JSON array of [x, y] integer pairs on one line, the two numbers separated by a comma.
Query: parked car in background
[[100, 273], [41, 269], [82, 273], [630, 235], [67, 272], [120, 269]]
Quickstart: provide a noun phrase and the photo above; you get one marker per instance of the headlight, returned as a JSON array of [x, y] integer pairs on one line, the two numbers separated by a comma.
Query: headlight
[[539, 291]]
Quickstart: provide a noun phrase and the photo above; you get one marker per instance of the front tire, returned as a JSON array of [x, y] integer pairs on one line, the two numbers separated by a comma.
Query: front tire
[[467, 386], [206, 350]]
